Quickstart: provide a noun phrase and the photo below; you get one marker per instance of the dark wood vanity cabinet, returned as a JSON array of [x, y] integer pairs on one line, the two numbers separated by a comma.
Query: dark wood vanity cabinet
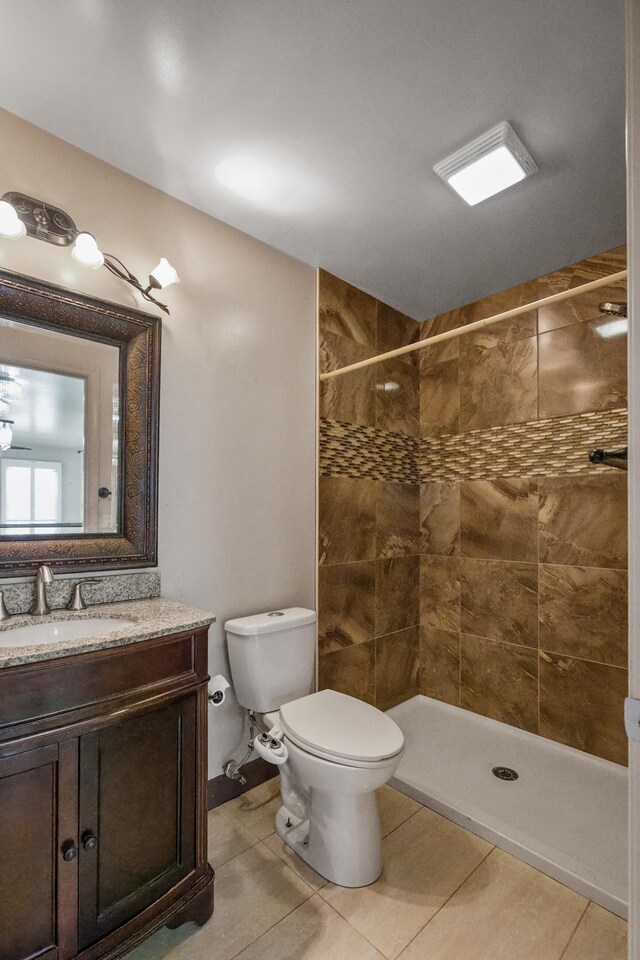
[[103, 799]]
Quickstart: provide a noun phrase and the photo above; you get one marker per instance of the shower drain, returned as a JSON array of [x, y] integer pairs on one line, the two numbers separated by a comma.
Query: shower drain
[[504, 773]]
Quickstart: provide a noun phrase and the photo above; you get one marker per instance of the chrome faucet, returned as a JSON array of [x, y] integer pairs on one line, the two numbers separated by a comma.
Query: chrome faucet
[[43, 577]]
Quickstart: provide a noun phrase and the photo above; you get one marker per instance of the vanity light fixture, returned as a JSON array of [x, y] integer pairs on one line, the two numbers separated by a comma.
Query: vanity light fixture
[[86, 253], [11, 226], [489, 164], [21, 215]]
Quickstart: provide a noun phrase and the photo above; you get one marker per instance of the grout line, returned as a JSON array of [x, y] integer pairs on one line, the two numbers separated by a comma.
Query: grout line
[[443, 905], [507, 643], [348, 922], [284, 917], [570, 656], [573, 932], [406, 819]]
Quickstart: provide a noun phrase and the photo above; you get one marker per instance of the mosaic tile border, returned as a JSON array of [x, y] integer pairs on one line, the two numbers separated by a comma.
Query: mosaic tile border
[[536, 448], [348, 450]]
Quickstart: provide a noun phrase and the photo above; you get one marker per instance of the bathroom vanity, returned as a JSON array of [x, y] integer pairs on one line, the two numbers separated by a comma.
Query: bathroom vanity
[[103, 739]]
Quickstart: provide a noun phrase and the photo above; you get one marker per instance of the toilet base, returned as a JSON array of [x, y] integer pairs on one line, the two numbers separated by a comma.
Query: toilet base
[[341, 841]]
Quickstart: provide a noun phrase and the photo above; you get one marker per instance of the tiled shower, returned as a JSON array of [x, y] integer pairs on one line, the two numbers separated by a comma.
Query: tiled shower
[[468, 549]]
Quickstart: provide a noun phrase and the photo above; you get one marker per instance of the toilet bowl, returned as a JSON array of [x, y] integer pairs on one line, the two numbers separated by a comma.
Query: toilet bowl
[[332, 751], [340, 751]]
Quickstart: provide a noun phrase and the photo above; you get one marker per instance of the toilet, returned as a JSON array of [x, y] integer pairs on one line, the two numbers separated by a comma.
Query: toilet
[[333, 751]]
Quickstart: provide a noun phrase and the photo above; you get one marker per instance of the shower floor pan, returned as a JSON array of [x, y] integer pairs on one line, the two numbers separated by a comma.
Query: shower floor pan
[[566, 814]]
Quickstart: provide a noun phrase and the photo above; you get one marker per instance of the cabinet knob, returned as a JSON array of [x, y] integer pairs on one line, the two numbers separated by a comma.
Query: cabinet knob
[[89, 841], [69, 850]]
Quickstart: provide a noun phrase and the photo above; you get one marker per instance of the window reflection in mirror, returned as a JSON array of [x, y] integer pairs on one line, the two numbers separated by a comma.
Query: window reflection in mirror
[[59, 433]]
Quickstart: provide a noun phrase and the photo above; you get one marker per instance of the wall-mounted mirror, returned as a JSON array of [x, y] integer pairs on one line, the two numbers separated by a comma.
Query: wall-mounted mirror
[[78, 430]]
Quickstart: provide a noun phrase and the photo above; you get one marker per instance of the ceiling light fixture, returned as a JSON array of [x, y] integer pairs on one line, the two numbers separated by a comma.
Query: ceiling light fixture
[[20, 215], [494, 161]]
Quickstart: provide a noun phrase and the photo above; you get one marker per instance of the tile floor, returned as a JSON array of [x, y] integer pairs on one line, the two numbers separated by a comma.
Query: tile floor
[[444, 894]]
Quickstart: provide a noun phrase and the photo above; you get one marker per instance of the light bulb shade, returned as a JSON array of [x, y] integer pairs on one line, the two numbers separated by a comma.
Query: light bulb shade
[[11, 226], [86, 252], [6, 436], [164, 274], [10, 389]]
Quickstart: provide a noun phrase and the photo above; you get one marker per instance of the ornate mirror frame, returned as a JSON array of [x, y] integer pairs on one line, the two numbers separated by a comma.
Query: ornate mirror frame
[[137, 335]]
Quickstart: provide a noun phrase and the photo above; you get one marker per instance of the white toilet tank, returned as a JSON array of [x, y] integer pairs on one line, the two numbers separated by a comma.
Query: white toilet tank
[[272, 657]]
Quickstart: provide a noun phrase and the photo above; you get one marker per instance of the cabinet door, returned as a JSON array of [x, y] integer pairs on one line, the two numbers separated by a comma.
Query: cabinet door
[[38, 853], [137, 815]]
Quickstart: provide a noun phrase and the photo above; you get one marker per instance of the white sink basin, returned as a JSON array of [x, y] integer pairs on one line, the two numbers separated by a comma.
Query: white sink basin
[[54, 632]]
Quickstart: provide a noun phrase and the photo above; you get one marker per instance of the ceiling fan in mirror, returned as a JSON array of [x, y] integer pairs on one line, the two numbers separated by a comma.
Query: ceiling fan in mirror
[[10, 391], [6, 436]]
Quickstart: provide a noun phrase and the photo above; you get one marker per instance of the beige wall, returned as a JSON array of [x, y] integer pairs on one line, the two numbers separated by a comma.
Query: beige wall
[[237, 436]]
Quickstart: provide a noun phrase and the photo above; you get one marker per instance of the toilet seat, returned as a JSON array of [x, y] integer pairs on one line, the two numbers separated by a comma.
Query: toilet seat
[[341, 729]]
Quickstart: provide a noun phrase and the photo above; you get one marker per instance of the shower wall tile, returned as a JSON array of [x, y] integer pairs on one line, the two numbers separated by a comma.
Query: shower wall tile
[[346, 604], [500, 600], [394, 329], [397, 667], [499, 519], [439, 398], [582, 705], [583, 613], [498, 385], [500, 680], [397, 397], [583, 520], [397, 519], [584, 306], [440, 592], [440, 518], [351, 671], [518, 328], [352, 397], [501, 567], [443, 322], [347, 519], [347, 311], [446, 349], [582, 370], [397, 594], [440, 664]]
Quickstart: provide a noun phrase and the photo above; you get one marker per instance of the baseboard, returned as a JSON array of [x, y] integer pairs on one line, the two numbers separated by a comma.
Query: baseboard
[[221, 788]]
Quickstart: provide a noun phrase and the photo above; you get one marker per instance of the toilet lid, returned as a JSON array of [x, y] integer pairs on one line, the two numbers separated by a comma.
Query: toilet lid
[[341, 726]]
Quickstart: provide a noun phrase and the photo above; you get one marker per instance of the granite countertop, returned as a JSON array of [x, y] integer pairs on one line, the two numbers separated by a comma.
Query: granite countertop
[[154, 617]]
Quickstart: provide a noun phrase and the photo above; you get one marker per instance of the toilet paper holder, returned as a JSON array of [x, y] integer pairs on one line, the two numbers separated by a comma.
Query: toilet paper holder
[[218, 686]]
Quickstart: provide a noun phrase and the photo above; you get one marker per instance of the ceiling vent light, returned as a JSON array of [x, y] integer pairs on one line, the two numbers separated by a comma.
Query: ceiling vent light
[[487, 165]]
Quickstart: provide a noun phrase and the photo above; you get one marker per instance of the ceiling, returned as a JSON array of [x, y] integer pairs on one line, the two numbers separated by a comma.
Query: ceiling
[[331, 114], [50, 411]]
